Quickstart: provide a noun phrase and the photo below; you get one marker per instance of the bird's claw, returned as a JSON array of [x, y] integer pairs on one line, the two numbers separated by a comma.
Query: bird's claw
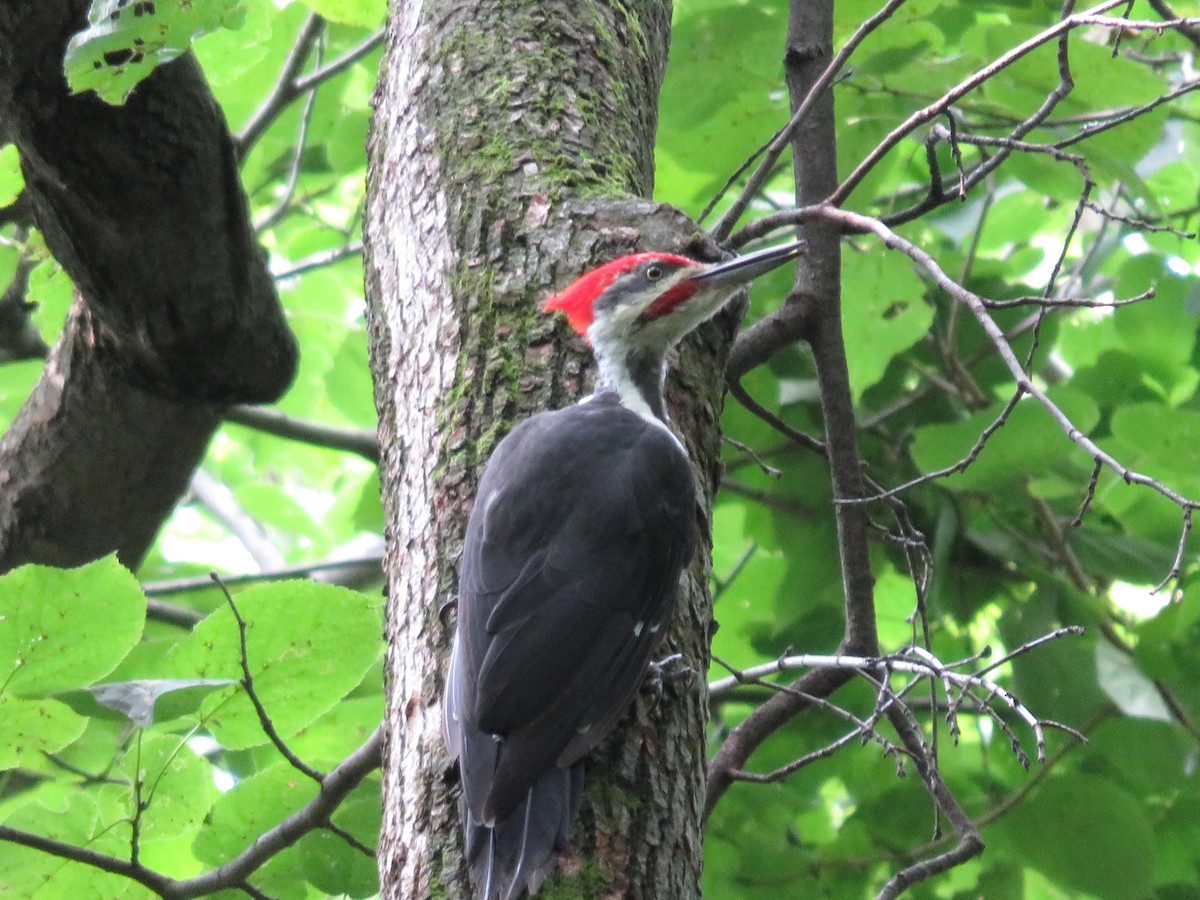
[[668, 670]]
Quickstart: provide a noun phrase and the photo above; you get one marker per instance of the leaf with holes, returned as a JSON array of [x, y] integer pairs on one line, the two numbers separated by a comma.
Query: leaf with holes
[[126, 39]]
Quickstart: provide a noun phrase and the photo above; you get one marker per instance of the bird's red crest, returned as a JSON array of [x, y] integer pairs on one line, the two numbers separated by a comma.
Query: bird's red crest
[[579, 296]]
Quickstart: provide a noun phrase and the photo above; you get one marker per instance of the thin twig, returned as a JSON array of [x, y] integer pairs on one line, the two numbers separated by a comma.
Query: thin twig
[[1089, 494], [721, 585], [362, 441], [336, 787], [1177, 564], [318, 260], [1001, 344], [341, 63], [284, 90], [964, 87], [264, 720], [784, 136], [187, 585], [961, 466], [350, 839], [1068, 302]]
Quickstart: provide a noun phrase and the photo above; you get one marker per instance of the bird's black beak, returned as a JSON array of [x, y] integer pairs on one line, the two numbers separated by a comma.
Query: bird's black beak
[[744, 269]]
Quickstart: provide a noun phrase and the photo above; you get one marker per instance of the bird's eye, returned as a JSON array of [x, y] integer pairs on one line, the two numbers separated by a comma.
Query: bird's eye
[[654, 272]]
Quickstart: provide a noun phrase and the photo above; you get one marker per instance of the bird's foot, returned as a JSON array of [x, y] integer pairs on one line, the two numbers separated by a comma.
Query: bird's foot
[[668, 670]]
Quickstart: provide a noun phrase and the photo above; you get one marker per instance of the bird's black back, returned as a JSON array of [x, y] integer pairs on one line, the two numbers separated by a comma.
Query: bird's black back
[[583, 522]]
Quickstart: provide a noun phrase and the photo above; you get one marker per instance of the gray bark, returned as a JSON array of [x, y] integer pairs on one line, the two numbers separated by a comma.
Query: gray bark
[[504, 135]]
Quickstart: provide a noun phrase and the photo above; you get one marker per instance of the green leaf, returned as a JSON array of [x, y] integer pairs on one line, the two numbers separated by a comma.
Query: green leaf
[[177, 788], [229, 57], [742, 611], [12, 182], [1152, 759], [308, 646], [65, 628], [1021, 448], [34, 727], [16, 381], [1121, 557], [79, 820], [349, 380], [339, 732], [126, 39], [883, 313], [720, 100], [1168, 457], [1160, 332], [51, 290], [332, 865], [1058, 680], [254, 805], [1084, 832], [1134, 693], [365, 13]]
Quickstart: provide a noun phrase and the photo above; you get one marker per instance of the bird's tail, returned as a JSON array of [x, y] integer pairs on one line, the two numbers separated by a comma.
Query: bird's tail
[[516, 854]]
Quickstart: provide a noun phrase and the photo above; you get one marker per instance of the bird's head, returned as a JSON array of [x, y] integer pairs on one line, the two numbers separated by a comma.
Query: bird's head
[[651, 300]]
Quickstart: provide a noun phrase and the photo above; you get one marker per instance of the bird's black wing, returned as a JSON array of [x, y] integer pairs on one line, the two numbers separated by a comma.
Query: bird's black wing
[[583, 522]]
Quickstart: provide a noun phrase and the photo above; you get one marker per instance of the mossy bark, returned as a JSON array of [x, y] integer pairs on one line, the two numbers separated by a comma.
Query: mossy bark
[[510, 143]]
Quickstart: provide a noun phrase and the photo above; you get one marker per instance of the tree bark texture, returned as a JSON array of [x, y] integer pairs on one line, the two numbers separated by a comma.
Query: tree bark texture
[[175, 314], [502, 132], [818, 288]]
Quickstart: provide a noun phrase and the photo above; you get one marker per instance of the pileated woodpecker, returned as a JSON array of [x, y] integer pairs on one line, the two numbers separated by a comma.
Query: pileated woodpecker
[[584, 519]]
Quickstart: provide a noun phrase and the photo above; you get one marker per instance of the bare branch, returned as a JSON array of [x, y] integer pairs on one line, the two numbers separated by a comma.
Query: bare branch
[[364, 442], [1139, 224], [1068, 302], [318, 260], [171, 614], [341, 63], [1120, 117], [220, 502], [961, 466], [1089, 494], [1137, 24], [1163, 9], [284, 91], [939, 106], [792, 434], [185, 585], [333, 790], [1177, 564], [1001, 343], [969, 844], [753, 455], [284, 200]]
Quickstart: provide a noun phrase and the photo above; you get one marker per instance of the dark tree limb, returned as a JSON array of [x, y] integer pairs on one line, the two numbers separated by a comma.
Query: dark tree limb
[[175, 315]]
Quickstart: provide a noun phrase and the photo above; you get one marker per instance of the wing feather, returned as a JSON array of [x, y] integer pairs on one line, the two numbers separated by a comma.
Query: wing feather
[[565, 590]]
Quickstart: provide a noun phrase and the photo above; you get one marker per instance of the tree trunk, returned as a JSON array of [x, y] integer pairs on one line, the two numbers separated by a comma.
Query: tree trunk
[[175, 316], [504, 134]]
